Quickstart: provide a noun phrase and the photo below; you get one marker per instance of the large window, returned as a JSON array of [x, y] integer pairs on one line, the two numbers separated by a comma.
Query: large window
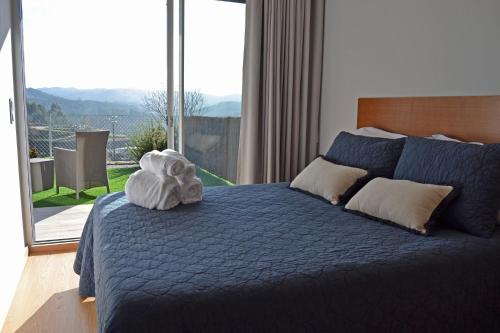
[[94, 65]]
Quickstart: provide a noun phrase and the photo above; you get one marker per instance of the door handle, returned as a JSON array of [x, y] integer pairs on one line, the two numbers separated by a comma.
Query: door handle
[[11, 111]]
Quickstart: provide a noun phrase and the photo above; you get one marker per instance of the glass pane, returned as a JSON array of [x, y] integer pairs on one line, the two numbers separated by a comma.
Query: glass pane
[[213, 78], [90, 65]]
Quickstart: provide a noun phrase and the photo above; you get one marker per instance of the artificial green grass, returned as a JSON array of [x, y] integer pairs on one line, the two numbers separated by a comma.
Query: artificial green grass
[[209, 179], [117, 178]]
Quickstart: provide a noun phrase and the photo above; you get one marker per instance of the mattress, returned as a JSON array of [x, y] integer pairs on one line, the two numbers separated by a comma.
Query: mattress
[[265, 258]]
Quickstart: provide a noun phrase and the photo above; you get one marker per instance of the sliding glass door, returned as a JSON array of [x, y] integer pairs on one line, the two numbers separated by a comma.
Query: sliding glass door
[[90, 65], [213, 60]]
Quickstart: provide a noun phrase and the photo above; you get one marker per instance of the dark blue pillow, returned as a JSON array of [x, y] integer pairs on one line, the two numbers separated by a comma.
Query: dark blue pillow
[[379, 156], [474, 169]]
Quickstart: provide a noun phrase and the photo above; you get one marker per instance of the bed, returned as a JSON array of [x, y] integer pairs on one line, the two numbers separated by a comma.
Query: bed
[[265, 258]]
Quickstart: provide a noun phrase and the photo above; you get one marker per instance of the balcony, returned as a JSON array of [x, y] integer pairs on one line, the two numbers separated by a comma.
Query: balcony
[[61, 216]]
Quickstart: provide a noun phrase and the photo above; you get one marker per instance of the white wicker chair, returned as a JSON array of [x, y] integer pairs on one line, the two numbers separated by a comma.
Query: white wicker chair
[[84, 167]]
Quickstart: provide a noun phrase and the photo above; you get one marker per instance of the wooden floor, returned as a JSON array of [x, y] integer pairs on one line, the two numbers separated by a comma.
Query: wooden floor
[[47, 299], [56, 223]]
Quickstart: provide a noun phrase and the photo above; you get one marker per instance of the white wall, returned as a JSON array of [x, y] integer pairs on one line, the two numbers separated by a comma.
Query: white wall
[[388, 48], [12, 250]]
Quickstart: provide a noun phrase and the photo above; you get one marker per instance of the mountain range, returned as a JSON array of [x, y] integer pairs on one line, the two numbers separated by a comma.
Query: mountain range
[[223, 109], [130, 96], [78, 106], [120, 101]]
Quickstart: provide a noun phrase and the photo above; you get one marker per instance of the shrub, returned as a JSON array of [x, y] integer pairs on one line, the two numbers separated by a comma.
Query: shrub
[[148, 137], [34, 153]]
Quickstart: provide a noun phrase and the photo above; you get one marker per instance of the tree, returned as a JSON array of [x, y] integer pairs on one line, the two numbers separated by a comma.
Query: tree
[[148, 137], [38, 114], [156, 103], [56, 114]]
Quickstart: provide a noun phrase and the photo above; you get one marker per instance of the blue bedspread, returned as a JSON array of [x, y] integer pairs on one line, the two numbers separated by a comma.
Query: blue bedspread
[[264, 258]]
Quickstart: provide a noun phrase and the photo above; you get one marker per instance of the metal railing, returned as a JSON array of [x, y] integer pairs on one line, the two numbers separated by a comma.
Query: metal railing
[[61, 133], [210, 142]]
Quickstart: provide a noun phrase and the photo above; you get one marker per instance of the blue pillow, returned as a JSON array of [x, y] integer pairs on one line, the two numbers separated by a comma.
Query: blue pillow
[[377, 155], [474, 169]]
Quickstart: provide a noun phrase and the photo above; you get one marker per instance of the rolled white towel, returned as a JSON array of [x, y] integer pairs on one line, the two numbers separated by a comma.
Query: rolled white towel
[[172, 152], [189, 173], [189, 168], [170, 194], [175, 153], [162, 165], [142, 188], [145, 189], [191, 191]]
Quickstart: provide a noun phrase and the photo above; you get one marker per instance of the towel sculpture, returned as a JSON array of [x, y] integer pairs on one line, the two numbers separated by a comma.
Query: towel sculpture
[[191, 186], [165, 179]]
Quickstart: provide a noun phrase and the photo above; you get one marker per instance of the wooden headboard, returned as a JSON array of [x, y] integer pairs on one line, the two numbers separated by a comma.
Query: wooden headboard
[[467, 118]]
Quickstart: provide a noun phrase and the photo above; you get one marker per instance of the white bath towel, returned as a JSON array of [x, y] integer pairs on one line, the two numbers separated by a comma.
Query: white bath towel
[[171, 194], [191, 191], [189, 168], [172, 152], [145, 189], [191, 186], [189, 173], [161, 164], [175, 153]]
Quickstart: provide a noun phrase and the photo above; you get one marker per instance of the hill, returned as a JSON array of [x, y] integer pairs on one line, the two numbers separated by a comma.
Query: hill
[[131, 96], [127, 96], [120, 101], [212, 99], [223, 109], [88, 107]]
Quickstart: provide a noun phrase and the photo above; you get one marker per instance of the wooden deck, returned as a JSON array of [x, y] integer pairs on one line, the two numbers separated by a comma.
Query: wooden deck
[[55, 223]]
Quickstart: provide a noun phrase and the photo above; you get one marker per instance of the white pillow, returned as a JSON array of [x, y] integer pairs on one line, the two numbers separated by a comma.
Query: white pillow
[[327, 179], [402, 202], [376, 133], [447, 138]]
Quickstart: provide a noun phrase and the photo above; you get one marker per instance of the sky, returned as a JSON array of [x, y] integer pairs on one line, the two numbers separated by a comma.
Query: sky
[[122, 44]]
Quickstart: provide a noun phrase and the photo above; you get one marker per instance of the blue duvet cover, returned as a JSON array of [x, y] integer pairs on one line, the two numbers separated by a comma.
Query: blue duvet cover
[[264, 258]]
